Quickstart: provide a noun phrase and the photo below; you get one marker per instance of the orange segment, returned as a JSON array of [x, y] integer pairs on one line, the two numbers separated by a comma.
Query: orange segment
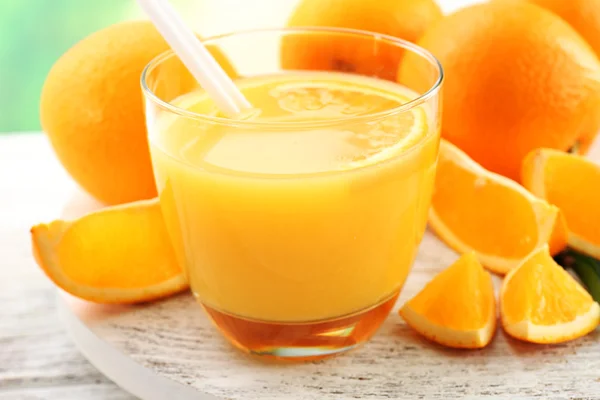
[[116, 255], [541, 303], [457, 308], [558, 240], [476, 210], [572, 183]]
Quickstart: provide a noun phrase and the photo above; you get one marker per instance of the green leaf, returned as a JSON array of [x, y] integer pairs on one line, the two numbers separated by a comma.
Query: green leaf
[[585, 267]]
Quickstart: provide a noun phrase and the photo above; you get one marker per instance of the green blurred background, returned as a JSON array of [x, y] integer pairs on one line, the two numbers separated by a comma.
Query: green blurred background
[[35, 33]]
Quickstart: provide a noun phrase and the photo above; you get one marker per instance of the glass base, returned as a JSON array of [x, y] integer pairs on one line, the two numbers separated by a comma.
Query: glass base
[[302, 341]]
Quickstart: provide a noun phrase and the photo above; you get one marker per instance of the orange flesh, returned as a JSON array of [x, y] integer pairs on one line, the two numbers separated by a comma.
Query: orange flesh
[[458, 297], [470, 204], [542, 292], [573, 184], [127, 261]]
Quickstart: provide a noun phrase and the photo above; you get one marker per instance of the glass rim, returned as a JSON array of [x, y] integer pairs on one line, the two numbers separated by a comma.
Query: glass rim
[[401, 43]]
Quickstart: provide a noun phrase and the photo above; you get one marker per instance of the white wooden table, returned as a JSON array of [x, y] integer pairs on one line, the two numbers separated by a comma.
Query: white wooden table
[[37, 359]]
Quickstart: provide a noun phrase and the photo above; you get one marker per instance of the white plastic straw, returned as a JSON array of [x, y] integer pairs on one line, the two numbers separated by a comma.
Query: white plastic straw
[[195, 57]]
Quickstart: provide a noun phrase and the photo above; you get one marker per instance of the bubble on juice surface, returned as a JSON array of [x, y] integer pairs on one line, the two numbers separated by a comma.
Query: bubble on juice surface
[[328, 100], [374, 137]]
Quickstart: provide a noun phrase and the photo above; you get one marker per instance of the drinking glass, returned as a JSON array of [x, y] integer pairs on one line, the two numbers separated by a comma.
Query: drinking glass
[[295, 265]]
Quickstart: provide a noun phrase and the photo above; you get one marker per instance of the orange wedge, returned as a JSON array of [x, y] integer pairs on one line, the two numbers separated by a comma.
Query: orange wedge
[[572, 183], [120, 254], [476, 210], [541, 303], [457, 308]]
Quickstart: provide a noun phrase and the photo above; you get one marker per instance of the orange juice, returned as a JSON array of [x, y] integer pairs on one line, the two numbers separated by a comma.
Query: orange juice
[[308, 208]]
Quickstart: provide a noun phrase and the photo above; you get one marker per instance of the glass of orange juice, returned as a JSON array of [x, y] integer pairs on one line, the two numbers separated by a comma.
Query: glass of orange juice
[[298, 221]]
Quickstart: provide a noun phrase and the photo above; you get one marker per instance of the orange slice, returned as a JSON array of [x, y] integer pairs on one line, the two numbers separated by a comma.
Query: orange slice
[[457, 308], [120, 254], [541, 303], [572, 183], [477, 210]]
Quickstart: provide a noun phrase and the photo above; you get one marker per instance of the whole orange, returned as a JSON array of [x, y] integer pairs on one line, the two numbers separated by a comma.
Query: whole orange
[[583, 15], [405, 19], [92, 110], [518, 77]]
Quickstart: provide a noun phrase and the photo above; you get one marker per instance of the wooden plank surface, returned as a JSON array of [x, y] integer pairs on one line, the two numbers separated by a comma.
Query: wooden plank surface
[[173, 339], [37, 359]]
